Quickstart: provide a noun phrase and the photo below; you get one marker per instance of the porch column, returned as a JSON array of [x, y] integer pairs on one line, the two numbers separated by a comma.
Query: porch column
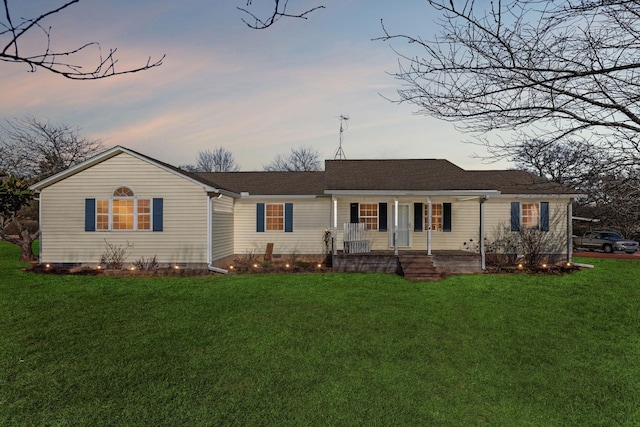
[[570, 231], [429, 215], [335, 225], [483, 260], [395, 227]]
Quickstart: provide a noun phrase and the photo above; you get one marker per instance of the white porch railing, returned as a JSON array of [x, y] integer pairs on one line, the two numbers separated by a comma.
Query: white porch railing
[[355, 238]]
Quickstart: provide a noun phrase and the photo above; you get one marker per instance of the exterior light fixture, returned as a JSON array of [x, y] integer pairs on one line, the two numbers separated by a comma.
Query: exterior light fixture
[[286, 265], [255, 265], [520, 266], [231, 267]]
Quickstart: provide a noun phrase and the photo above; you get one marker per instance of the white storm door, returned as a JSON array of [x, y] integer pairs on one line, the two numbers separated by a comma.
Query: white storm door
[[404, 225]]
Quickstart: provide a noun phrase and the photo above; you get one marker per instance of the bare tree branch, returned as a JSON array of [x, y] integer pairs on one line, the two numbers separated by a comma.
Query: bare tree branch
[[300, 159], [546, 70], [62, 63], [217, 160], [279, 11], [34, 149]]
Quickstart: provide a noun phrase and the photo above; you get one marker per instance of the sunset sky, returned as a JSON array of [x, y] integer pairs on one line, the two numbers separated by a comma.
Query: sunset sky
[[257, 93]]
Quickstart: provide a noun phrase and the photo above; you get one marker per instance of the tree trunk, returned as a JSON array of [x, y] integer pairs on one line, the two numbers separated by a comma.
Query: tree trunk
[[26, 245]]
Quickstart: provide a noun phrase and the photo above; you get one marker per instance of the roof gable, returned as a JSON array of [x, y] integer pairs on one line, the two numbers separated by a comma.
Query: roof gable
[[111, 153]]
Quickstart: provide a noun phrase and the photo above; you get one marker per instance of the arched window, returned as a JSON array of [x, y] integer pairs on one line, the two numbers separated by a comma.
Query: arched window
[[123, 192], [124, 211]]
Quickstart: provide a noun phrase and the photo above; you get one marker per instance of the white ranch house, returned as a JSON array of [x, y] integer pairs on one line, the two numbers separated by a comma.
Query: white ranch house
[[206, 219]]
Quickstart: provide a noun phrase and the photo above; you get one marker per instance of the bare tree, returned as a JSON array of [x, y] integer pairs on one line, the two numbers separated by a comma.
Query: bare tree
[[35, 149], [279, 10], [300, 159], [15, 196], [14, 33], [217, 160], [614, 199], [548, 70], [574, 164]]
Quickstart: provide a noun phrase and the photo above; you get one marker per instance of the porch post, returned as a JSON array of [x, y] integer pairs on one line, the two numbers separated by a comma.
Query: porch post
[[570, 231], [429, 215], [335, 225], [483, 259], [395, 227]]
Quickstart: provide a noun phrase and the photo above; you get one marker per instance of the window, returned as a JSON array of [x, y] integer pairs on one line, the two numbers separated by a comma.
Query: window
[[123, 212], [274, 217], [436, 217], [530, 215], [368, 215]]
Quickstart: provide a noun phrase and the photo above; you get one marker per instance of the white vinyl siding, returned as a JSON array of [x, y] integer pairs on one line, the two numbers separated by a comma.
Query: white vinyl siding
[[498, 214], [183, 239], [310, 219], [222, 233]]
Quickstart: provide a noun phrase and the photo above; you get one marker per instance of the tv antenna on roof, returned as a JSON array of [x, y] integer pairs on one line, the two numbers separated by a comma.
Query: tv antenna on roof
[[343, 127]]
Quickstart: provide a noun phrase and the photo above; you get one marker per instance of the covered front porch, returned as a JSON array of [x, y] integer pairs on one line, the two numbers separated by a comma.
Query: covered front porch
[[378, 225]]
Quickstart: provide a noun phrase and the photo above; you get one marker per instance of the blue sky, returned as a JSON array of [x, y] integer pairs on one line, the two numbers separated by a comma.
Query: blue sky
[[256, 93]]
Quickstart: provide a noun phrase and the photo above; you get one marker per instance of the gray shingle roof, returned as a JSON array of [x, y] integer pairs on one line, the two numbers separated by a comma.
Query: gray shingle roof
[[382, 175], [267, 183]]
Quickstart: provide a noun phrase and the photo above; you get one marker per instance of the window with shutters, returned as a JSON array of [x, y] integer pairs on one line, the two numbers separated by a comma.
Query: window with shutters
[[123, 211]]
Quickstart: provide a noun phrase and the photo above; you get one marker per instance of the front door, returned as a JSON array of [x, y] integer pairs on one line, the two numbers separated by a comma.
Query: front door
[[404, 226]]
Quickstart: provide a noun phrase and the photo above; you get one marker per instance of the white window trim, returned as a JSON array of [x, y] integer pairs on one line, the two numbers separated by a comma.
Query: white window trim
[[377, 216], [266, 205], [135, 215]]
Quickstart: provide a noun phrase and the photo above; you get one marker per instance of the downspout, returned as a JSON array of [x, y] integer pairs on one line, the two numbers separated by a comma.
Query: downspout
[[429, 216], [335, 225], [483, 257], [39, 199], [210, 267], [570, 231], [395, 227]]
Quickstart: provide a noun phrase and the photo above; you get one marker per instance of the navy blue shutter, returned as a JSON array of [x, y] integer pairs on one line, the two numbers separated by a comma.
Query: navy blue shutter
[[446, 217], [544, 216], [353, 218], [418, 209], [382, 216], [158, 213], [515, 216], [288, 217], [260, 217], [89, 214]]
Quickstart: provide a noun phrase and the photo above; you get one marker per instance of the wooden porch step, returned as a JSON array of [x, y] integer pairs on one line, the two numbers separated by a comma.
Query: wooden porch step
[[418, 267]]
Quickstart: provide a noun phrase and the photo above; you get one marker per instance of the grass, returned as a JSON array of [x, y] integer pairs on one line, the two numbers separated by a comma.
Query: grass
[[320, 349]]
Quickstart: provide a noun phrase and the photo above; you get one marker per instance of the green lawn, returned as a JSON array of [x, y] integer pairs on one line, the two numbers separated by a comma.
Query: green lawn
[[320, 350]]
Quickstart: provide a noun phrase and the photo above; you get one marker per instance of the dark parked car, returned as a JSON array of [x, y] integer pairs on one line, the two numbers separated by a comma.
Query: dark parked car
[[607, 241]]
